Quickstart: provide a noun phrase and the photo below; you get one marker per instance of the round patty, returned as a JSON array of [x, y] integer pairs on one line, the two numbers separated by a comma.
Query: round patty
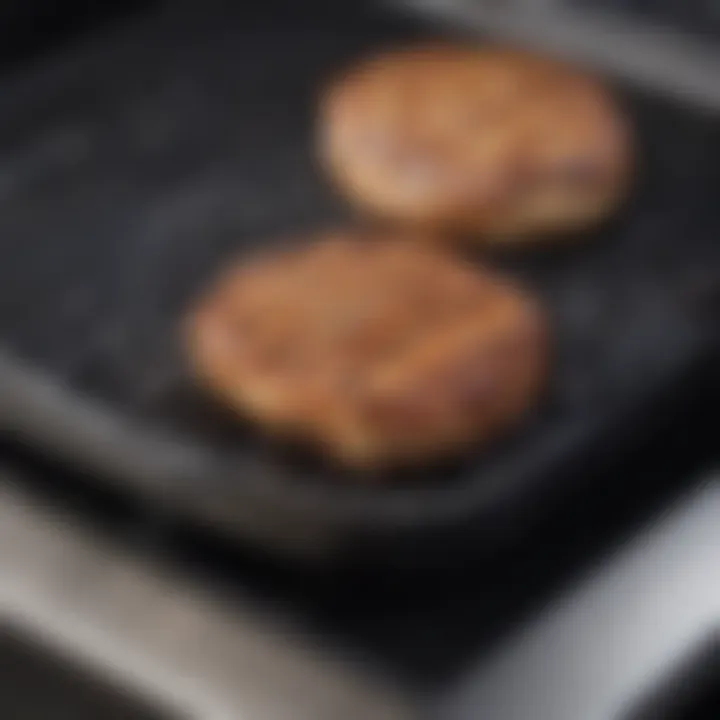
[[377, 351], [488, 141]]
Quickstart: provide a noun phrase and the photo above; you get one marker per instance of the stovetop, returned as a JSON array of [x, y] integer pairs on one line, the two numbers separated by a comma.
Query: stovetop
[[434, 639], [427, 632], [422, 629]]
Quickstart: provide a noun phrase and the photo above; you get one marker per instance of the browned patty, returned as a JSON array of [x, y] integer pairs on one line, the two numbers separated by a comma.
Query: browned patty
[[380, 352], [501, 143]]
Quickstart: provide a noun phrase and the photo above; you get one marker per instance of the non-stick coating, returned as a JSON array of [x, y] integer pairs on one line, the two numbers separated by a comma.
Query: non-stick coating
[[136, 167]]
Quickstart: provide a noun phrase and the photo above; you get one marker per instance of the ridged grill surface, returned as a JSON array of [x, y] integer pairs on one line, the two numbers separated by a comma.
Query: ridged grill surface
[[132, 170]]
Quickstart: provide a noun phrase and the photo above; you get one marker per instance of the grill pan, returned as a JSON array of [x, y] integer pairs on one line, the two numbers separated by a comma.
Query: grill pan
[[135, 166]]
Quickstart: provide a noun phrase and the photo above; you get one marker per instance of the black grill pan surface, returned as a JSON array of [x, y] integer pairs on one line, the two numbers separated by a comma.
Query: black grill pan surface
[[137, 165]]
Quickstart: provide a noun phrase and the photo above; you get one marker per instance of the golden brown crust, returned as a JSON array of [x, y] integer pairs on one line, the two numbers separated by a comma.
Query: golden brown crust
[[380, 352], [492, 141]]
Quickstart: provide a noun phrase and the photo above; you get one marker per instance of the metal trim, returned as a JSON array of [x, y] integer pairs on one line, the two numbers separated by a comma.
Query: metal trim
[[166, 637], [673, 63]]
